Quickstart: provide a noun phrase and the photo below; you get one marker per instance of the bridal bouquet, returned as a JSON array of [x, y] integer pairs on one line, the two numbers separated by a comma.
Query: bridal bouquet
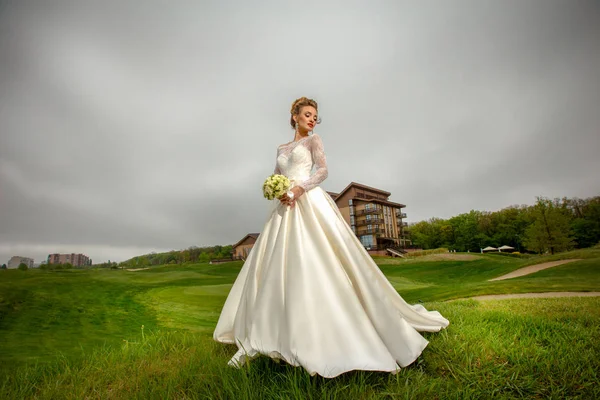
[[275, 185]]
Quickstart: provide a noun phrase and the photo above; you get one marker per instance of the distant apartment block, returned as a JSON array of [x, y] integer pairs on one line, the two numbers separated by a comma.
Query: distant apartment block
[[77, 260], [374, 219], [15, 261]]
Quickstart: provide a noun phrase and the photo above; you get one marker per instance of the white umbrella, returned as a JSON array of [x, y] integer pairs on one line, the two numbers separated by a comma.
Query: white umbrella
[[505, 248]]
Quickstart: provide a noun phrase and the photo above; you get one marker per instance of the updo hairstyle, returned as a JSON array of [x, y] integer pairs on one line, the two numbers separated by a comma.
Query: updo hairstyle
[[297, 106]]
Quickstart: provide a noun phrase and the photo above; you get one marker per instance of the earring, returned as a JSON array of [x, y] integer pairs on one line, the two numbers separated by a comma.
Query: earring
[[296, 126]]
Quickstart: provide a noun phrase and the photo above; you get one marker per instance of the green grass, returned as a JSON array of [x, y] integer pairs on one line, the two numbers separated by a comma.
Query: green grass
[[69, 312], [525, 348], [444, 280], [77, 334], [195, 308]]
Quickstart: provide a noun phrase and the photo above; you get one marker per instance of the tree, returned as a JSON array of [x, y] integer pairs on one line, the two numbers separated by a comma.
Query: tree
[[426, 234], [23, 267], [184, 256], [586, 224], [4, 266], [194, 253], [550, 230], [466, 231], [446, 235]]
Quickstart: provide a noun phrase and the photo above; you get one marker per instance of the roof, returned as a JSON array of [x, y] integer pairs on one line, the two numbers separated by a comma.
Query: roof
[[252, 235], [386, 202], [490, 248], [335, 196], [361, 186], [505, 247]]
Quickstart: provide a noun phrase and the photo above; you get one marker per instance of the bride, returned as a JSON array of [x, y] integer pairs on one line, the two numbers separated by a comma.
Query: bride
[[309, 293]]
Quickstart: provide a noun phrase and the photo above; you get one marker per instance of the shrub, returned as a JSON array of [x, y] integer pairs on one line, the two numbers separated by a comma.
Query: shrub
[[425, 252], [23, 267]]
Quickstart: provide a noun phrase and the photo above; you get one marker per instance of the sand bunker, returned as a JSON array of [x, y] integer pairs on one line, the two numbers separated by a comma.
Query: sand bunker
[[530, 295], [533, 268]]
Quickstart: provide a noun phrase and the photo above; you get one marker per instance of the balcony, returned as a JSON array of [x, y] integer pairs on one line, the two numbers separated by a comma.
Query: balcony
[[405, 224], [371, 211], [400, 214], [371, 221], [368, 231]]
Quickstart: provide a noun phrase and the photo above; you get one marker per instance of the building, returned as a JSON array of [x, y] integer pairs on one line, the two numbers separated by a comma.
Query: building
[[242, 248], [374, 219], [15, 261], [76, 260]]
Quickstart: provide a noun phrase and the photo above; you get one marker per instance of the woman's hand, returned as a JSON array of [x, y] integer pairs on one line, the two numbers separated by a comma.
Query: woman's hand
[[285, 199]]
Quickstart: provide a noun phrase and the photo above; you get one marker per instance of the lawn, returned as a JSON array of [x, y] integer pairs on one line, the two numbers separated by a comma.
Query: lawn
[[77, 334]]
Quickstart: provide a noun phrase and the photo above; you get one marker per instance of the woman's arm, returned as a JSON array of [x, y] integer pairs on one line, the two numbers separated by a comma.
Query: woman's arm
[[277, 170], [318, 155]]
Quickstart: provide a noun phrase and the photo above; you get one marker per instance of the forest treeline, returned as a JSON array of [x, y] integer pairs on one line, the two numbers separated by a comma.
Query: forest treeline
[[550, 225], [192, 255]]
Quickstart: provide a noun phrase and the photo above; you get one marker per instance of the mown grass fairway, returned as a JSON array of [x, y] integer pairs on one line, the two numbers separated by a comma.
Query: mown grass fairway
[[523, 348]]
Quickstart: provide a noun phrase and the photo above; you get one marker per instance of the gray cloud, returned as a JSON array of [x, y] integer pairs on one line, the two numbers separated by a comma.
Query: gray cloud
[[128, 127]]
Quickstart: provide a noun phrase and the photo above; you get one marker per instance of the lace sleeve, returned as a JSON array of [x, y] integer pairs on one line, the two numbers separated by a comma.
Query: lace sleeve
[[277, 171], [318, 156]]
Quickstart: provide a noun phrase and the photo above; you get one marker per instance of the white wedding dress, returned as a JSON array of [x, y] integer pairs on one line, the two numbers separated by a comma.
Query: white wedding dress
[[310, 294]]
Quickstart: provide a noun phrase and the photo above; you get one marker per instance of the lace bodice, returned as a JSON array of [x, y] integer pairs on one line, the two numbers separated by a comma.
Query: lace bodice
[[296, 159]]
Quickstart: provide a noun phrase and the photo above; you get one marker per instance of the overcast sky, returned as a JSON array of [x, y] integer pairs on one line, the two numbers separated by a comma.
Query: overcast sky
[[135, 126]]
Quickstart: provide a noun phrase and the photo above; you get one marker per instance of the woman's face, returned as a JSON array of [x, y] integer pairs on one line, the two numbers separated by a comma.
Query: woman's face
[[307, 118]]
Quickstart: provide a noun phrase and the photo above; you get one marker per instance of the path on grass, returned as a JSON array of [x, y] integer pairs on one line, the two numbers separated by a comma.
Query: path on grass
[[533, 268], [530, 295]]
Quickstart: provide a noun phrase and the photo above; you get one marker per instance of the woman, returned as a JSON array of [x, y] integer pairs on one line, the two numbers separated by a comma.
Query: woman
[[309, 293]]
